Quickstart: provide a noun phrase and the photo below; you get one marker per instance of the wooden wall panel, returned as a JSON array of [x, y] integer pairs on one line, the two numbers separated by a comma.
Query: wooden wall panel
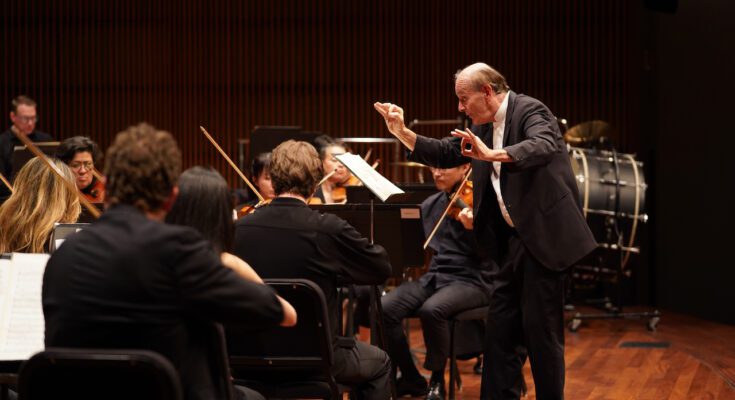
[[97, 67]]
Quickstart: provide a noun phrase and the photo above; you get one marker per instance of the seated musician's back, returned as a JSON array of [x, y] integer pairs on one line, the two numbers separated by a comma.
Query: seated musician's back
[[131, 281], [287, 239]]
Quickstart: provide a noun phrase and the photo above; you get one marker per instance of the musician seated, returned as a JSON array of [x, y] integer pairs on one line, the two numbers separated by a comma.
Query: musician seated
[[131, 281], [24, 118], [40, 199], [203, 203], [456, 281], [332, 191], [83, 156], [260, 177], [287, 239]]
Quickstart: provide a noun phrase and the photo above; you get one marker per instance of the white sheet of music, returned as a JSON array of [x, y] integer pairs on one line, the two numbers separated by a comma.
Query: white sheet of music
[[21, 313], [378, 184]]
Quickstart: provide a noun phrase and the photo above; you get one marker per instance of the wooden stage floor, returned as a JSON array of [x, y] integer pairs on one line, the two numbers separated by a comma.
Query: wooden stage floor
[[686, 358]]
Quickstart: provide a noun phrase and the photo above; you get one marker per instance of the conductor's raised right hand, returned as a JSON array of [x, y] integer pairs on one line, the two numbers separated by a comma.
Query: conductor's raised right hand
[[393, 116]]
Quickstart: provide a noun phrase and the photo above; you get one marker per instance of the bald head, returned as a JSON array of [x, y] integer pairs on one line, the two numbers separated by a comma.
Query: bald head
[[480, 74]]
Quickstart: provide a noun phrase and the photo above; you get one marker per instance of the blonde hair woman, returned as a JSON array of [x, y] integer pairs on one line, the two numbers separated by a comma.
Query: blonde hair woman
[[39, 200]]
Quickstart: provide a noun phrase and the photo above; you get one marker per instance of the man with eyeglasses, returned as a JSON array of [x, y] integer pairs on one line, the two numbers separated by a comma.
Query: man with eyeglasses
[[81, 154], [24, 118], [457, 280]]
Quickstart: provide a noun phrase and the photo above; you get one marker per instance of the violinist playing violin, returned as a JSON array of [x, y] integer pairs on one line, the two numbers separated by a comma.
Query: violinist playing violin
[[332, 191], [456, 281], [82, 154], [261, 178]]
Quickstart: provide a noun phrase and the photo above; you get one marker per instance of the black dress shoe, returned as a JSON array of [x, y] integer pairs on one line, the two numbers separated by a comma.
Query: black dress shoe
[[412, 388], [436, 391]]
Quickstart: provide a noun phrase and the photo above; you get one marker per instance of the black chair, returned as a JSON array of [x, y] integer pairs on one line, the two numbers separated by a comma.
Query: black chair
[[455, 380], [288, 362], [61, 373]]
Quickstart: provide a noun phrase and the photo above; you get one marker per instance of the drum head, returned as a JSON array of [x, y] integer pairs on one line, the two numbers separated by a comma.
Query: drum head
[[612, 193]]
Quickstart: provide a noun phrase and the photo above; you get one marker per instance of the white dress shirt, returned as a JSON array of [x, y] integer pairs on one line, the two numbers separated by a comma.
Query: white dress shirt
[[498, 131]]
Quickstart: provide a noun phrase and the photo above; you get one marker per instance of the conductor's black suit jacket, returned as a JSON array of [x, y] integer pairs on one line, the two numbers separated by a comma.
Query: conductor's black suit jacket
[[538, 188], [129, 282]]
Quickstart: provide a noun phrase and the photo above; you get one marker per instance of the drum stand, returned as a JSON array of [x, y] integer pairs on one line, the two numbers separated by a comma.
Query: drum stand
[[616, 310]]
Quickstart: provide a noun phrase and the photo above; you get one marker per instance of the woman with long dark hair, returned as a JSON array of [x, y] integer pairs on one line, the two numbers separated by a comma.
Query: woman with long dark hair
[[204, 203]]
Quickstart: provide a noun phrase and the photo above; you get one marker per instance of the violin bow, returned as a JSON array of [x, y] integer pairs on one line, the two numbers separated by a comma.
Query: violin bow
[[368, 154], [97, 174], [38, 153], [232, 164], [446, 210], [6, 182]]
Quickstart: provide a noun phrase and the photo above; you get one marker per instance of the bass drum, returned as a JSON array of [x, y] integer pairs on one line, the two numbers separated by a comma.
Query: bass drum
[[600, 188]]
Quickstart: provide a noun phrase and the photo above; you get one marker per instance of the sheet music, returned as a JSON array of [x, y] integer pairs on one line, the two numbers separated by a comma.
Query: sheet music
[[378, 184], [21, 313]]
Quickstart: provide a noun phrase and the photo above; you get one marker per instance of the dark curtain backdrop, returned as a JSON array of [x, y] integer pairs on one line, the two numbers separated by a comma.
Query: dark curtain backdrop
[[692, 145], [96, 67]]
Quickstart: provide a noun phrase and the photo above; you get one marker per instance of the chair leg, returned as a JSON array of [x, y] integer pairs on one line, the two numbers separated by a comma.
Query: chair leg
[[452, 361], [457, 375]]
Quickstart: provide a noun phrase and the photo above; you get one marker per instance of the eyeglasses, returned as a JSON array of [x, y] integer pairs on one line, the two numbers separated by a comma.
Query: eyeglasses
[[88, 165], [27, 120]]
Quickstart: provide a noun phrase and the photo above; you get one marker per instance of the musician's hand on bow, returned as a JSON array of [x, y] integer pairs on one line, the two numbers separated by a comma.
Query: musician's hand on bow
[[466, 218], [473, 147]]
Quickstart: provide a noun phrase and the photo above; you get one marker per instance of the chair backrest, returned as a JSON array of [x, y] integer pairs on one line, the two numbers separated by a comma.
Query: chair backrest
[[303, 349], [58, 373]]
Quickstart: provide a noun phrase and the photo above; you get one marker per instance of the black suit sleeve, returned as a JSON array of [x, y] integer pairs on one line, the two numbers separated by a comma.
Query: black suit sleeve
[[217, 293], [359, 261], [444, 153], [540, 141]]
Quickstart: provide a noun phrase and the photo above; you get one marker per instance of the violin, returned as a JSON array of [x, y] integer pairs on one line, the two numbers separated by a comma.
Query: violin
[[453, 205], [250, 208], [95, 192], [339, 193], [463, 200]]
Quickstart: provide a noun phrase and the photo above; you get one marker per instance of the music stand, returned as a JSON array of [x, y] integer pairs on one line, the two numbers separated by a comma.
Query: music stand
[[396, 227], [21, 154], [62, 231], [87, 217]]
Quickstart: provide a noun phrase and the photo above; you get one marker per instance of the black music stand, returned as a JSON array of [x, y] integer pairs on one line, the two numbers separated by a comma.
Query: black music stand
[[86, 217], [265, 138], [21, 154], [62, 231], [396, 227]]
